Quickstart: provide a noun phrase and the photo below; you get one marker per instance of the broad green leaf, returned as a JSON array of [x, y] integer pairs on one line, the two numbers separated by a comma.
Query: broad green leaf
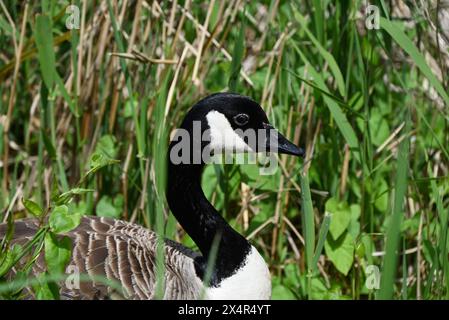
[[405, 43], [97, 162], [33, 208], [57, 252], [379, 128], [381, 195], [354, 225], [107, 146], [341, 216], [45, 290], [341, 252], [265, 211], [251, 175], [319, 290], [258, 78], [131, 105], [61, 220], [44, 42], [281, 292], [111, 208], [292, 272]]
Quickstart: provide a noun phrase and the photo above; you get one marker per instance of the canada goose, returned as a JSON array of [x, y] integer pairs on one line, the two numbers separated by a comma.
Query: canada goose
[[125, 252]]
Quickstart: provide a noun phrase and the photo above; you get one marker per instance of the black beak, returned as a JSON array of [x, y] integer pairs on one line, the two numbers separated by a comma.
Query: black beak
[[276, 142]]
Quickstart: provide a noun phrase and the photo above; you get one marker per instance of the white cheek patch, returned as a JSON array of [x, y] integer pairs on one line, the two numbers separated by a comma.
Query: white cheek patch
[[222, 136]]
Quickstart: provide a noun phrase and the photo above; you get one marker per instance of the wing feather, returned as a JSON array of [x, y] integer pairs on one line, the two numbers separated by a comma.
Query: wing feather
[[120, 252]]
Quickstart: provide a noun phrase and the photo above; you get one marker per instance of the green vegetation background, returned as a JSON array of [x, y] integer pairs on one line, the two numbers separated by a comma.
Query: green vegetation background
[[364, 216]]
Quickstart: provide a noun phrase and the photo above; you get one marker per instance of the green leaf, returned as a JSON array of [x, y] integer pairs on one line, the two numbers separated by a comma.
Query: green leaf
[[381, 195], [250, 174], [292, 272], [99, 161], [61, 220], [379, 128], [341, 216], [45, 290], [131, 105], [111, 208], [354, 225], [340, 252], [319, 290], [107, 146], [281, 292], [265, 212], [57, 252], [44, 42], [33, 208]]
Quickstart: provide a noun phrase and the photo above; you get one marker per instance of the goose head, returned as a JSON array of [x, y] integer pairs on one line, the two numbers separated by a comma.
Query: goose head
[[222, 122], [227, 122]]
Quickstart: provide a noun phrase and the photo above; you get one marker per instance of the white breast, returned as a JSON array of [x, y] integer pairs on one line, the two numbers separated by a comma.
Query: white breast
[[251, 282]]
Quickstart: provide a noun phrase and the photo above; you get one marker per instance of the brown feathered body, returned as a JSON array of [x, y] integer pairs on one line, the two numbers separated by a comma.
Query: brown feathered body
[[121, 252]]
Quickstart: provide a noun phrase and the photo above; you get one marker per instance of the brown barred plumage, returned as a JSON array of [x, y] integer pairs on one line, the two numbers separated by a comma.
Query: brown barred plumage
[[122, 252]]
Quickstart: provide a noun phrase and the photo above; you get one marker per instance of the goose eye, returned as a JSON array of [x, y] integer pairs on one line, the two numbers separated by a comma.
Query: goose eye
[[241, 119]]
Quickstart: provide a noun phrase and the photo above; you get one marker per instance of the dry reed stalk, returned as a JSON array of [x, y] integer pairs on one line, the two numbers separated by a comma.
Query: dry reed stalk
[[196, 67]]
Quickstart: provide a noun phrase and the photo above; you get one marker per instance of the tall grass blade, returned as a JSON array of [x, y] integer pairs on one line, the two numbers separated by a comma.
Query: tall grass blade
[[443, 219], [340, 118], [408, 46], [308, 224], [319, 19], [324, 229], [237, 57], [44, 41], [160, 166], [389, 267], [335, 69]]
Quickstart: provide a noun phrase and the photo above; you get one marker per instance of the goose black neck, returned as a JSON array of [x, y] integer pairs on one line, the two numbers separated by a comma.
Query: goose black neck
[[202, 222]]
